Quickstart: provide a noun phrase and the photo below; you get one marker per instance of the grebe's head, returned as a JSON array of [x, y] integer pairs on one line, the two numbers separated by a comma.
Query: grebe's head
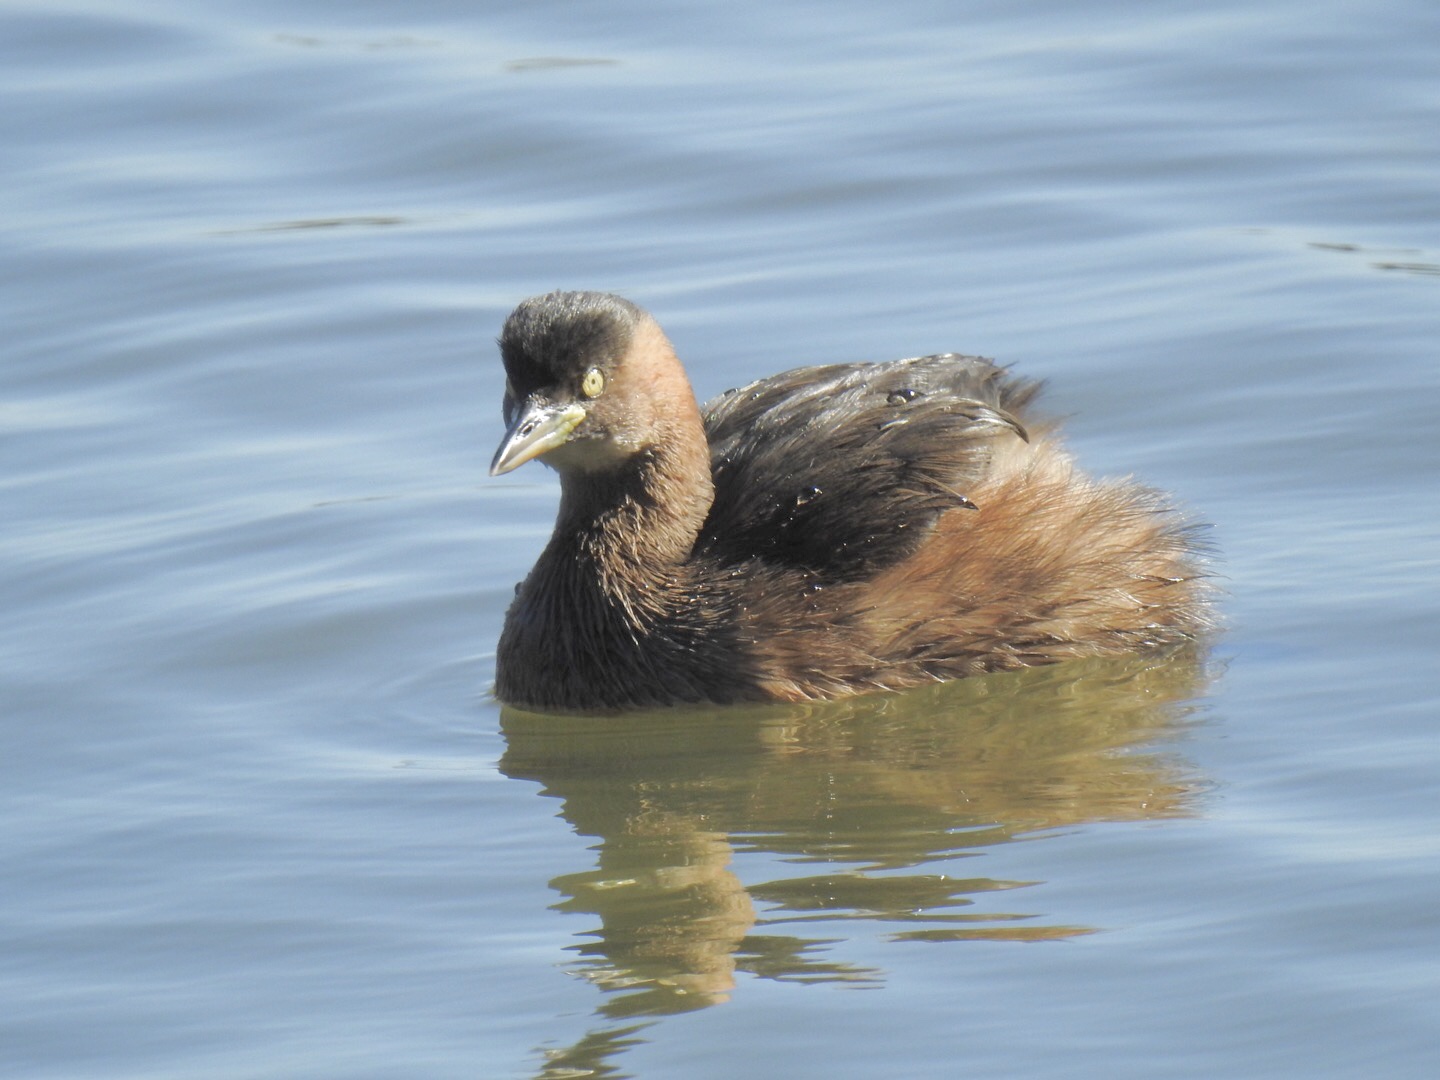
[[590, 381]]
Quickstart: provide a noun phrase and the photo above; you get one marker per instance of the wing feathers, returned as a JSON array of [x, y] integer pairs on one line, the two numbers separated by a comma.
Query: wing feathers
[[842, 470]]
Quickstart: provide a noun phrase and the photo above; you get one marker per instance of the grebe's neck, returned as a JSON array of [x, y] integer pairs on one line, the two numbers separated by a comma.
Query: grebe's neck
[[638, 504], [639, 521], [616, 612]]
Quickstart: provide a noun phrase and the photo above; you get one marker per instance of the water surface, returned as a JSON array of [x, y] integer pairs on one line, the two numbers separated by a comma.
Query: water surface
[[262, 817]]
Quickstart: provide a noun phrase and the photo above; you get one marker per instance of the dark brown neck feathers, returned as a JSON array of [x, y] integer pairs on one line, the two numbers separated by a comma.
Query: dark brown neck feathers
[[637, 522]]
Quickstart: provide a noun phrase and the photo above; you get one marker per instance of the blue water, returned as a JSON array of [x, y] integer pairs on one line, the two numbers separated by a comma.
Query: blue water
[[261, 816]]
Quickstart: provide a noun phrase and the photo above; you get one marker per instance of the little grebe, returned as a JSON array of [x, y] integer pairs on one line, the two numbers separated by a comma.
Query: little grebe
[[824, 532]]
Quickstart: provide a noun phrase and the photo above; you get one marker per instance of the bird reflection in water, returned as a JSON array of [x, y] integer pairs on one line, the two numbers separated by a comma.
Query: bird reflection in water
[[873, 801]]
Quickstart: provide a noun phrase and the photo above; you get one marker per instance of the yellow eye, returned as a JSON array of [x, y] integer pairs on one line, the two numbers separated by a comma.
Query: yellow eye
[[593, 384]]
